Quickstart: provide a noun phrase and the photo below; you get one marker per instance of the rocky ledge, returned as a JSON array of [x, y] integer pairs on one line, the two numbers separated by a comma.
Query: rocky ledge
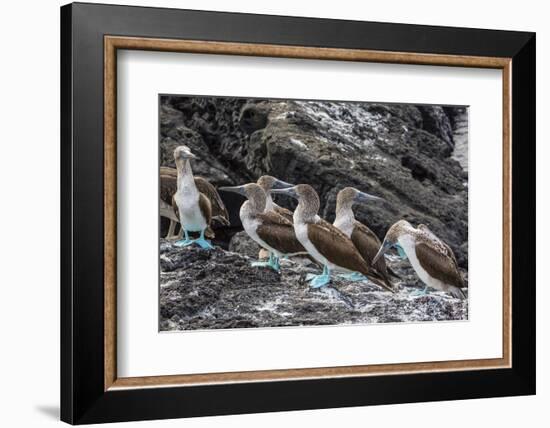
[[218, 289]]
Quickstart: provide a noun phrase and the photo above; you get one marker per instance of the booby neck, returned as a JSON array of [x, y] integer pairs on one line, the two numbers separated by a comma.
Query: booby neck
[[269, 204], [185, 175], [345, 218], [344, 206], [344, 211], [256, 202], [307, 209], [407, 236]]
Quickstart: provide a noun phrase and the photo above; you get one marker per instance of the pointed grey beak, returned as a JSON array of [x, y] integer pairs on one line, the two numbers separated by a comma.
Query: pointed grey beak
[[289, 191], [235, 189], [189, 155], [363, 197], [186, 155], [383, 249], [280, 184]]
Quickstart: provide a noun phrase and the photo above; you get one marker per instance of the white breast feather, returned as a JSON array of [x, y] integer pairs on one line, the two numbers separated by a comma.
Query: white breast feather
[[345, 224], [250, 226], [268, 203], [187, 200]]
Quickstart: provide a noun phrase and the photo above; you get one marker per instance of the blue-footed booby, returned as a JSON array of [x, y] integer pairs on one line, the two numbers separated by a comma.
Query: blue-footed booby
[[267, 228], [364, 239], [323, 241], [267, 183], [432, 259], [196, 201]]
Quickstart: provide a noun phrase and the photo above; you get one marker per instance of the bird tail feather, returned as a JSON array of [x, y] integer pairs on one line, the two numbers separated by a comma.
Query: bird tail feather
[[458, 293], [221, 220], [393, 273], [385, 283]]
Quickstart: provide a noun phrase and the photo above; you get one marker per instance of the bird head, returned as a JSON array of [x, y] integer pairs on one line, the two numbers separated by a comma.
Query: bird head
[[299, 192], [308, 200], [391, 239], [252, 191], [349, 195], [182, 153], [267, 183]]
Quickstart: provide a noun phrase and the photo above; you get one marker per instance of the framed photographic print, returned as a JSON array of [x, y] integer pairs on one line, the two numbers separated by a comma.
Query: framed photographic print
[[265, 213]]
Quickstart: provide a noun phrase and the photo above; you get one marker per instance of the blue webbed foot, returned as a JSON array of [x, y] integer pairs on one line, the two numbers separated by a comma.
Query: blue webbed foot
[[420, 293], [317, 281], [355, 276], [184, 242], [259, 264], [265, 264], [203, 243], [272, 263]]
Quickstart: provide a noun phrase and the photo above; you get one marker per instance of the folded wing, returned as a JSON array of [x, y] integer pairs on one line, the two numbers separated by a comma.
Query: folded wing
[[336, 247], [278, 232], [440, 265], [219, 212]]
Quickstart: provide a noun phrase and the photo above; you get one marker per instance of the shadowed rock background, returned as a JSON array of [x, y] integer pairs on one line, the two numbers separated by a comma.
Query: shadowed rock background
[[415, 157]]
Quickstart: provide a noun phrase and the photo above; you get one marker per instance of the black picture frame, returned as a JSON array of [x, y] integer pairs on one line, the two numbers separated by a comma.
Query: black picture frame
[[83, 398]]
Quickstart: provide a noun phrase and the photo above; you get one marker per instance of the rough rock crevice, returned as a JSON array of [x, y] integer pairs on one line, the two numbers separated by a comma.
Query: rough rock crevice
[[219, 289]]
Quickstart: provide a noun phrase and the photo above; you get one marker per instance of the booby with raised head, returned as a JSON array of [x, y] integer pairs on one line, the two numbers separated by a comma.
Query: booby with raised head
[[364, 239], [322, 240], [432, 259], [268, 183], [267, 228], [196, 200]]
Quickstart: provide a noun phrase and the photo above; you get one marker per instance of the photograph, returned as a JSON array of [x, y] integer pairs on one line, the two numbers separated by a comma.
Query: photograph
[[288, 212]]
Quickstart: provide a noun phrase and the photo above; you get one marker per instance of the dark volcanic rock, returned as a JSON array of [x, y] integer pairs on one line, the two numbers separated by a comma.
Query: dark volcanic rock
[[459, 120], [241, 243], [403, 153], [436, 121], [218, 289]]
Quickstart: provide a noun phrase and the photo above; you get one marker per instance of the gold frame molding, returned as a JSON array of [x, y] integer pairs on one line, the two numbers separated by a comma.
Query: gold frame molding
[[113, 43]]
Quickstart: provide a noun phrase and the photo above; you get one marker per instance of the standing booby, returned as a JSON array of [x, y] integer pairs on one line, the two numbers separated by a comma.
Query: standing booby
[[169, 209], [323, 241], [196, 201], [364, 239], [433, 260], [267, 228], [267, 183]]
